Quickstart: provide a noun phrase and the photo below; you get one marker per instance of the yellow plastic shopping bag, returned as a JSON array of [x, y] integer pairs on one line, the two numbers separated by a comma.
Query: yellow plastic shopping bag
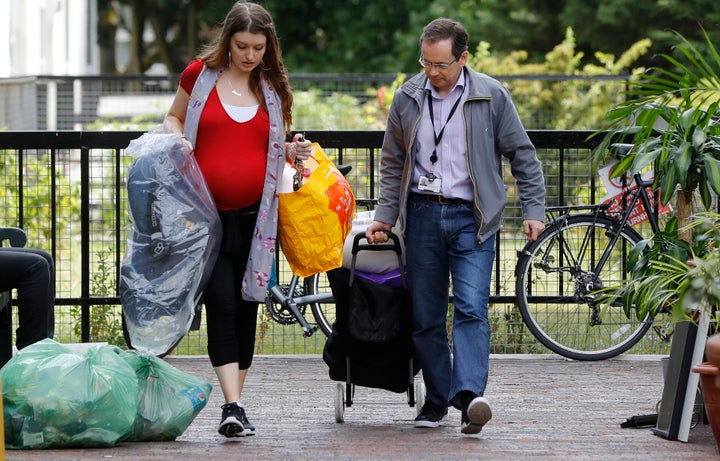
[[315, 219]]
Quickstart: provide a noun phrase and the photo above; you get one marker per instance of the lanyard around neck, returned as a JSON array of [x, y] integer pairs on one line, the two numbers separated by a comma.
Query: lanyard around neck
[[438, 137]]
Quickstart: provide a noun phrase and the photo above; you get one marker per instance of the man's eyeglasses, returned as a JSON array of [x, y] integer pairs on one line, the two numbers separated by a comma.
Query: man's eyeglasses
[[438, 65]]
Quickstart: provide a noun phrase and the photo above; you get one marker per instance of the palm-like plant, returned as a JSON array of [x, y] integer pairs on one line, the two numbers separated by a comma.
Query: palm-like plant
[[666, 271], [671, 117]]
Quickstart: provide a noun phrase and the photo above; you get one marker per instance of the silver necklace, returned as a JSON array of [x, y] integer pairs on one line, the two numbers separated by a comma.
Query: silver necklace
[[233, 90]]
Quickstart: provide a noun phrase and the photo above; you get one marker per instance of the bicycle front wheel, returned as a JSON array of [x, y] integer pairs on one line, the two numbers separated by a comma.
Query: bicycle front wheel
[[557, 277]]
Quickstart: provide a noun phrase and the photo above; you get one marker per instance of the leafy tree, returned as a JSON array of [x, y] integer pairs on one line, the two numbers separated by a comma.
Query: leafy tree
[[355, 36], [564, 103], [609, 25], [36, 197], [370, 36], [613, 24], [178, 27]]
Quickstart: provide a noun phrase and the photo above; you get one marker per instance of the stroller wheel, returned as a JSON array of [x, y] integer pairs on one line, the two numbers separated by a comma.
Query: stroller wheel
[[339, 403], [419, 396]]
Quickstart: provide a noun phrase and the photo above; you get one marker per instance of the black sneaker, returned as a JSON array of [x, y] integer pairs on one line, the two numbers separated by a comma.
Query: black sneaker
[[231, 424], [430, 415], [248, 427], [475, 415]]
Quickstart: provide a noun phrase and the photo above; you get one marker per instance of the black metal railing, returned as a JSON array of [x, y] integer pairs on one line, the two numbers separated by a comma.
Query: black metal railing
[[67, 190]]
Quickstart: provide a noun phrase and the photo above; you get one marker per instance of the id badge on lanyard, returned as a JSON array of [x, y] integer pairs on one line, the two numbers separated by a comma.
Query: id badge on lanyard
[[430, 182]]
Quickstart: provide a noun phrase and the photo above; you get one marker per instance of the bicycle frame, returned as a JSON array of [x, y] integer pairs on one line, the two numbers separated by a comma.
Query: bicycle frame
[[639, 194], [291, 302]]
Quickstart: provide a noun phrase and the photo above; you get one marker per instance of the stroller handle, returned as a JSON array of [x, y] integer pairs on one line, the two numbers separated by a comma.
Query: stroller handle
[[394, 246]]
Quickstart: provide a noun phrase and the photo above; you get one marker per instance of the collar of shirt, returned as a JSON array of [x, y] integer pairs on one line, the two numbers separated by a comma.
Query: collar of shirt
[[459, 84]]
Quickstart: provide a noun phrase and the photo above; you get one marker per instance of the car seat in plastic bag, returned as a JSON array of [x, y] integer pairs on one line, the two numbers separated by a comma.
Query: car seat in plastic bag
[[172, 245]]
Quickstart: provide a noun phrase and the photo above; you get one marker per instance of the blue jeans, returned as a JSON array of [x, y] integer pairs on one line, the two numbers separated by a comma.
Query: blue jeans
[[441, 245]]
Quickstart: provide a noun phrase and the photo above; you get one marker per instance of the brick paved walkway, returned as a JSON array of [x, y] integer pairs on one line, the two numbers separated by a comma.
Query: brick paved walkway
[[544, 407]]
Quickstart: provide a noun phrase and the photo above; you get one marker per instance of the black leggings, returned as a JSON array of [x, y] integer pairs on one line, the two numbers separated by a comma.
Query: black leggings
[[231, 321], [32, 273]]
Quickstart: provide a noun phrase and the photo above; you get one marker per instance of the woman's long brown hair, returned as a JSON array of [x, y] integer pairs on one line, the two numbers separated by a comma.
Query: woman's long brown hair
[[253, 18]]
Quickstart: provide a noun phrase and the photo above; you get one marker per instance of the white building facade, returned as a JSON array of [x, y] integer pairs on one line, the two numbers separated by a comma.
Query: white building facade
[[48, 37]]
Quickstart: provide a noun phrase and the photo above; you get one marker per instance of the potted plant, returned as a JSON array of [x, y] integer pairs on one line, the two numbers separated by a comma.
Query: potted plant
[[710, 382], [670, 274], [666, 272], [672, 117]]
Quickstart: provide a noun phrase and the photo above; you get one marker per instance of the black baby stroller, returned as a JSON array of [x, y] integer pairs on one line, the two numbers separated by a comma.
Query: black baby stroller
[[371, 342]]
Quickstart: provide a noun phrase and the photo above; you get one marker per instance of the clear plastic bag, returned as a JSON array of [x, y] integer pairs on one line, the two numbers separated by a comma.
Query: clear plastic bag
[[56, 398], [170, 399], [172, 245]]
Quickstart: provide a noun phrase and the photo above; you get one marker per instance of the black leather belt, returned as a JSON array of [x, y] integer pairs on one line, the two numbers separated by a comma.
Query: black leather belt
[[442, 200]]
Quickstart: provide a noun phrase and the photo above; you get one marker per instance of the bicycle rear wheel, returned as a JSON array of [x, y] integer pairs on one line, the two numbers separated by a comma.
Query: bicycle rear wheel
[[555, 285], [324, 312]]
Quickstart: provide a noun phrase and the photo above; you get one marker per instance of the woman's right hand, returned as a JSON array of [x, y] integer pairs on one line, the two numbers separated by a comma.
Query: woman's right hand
[[187, 143], [299, 148]]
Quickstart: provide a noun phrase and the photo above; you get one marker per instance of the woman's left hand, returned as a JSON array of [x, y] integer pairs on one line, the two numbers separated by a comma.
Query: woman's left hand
[[299, 148]]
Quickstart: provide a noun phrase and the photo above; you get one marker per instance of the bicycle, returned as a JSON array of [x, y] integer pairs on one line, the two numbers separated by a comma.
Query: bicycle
[[583, 249]]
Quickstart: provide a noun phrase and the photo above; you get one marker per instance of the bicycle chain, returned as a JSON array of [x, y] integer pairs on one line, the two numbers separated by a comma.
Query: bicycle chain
[[282, 314]]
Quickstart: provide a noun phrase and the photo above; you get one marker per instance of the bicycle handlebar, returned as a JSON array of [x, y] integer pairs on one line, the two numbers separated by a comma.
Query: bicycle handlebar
[[621, 149]]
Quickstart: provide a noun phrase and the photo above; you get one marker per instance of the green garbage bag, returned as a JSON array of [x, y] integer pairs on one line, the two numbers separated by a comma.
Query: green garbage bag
[[169, 399], [55, 398]]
